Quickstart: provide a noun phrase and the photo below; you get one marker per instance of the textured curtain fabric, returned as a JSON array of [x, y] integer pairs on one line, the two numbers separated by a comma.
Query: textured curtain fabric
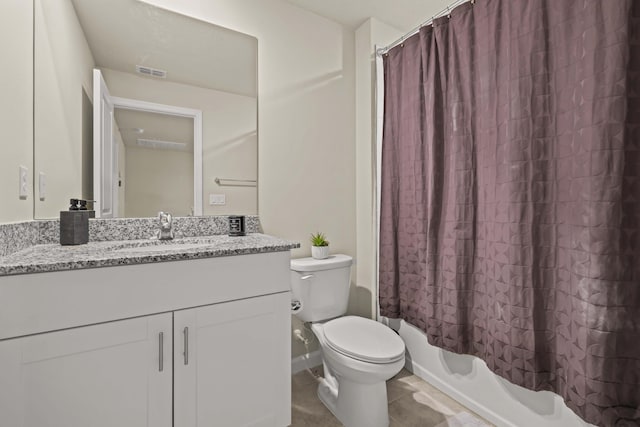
[[510, 204]]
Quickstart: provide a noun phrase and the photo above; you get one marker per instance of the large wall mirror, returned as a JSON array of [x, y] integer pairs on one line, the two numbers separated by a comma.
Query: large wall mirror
[[183, 120]]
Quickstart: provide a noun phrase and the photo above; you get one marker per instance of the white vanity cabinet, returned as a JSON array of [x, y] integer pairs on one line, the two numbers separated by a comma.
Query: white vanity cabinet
[[190, 343], [229, 361], [102, 376]]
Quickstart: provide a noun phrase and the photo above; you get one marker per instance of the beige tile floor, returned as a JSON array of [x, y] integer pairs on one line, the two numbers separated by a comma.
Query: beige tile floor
[[412, 403]]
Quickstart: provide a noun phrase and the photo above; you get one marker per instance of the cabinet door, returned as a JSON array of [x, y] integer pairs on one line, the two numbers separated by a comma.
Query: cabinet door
[[101, 375], [232, 363]]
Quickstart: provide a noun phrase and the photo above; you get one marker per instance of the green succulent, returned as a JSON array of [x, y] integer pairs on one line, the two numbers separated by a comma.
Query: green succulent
[[319, 239]]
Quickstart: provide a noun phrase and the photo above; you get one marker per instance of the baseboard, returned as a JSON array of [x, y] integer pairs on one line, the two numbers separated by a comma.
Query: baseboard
[[308, 360], [465, 400]]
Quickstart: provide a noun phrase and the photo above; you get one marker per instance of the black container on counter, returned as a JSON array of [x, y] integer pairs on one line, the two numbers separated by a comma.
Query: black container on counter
[[237, 225]]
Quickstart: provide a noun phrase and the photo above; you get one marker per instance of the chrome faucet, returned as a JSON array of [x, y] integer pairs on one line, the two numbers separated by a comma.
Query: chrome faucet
[[166, 226]]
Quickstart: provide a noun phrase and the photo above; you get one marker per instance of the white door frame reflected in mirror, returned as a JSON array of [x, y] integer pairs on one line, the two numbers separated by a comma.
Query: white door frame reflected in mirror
[[150, 107], [105, 160]]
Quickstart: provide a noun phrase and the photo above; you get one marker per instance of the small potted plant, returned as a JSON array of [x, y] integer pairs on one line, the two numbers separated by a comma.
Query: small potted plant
[[319, 246]]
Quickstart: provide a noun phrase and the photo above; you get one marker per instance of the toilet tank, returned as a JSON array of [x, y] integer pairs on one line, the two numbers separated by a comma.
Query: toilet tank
[[321, 286]]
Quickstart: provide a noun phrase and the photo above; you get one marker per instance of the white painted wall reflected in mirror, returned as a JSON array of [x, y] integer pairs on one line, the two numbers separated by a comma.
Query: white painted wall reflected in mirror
[[156, 158], [208, 68]]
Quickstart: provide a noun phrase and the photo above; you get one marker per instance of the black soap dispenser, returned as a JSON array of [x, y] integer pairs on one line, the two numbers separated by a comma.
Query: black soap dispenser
[[74, 223]]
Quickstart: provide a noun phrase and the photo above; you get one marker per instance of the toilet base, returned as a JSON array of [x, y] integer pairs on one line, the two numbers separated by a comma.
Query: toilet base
[[353, 390], [354, 404]]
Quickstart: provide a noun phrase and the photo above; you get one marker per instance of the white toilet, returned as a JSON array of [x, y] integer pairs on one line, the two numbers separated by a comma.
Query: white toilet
[[359, 355]]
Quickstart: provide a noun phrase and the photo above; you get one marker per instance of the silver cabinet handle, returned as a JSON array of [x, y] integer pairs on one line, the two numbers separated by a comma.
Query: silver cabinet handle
[[161, 351], [185, 332]]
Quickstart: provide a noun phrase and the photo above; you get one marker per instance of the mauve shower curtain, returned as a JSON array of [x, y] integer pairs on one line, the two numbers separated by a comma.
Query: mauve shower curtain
[[510, 210]]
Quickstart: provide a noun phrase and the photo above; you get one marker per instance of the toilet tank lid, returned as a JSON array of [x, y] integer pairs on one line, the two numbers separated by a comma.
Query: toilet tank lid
[[312, 264]]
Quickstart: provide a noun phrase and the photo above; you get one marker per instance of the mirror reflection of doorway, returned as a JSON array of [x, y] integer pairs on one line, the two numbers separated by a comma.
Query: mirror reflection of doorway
[[155, 163], [166, 130], [123, 38]]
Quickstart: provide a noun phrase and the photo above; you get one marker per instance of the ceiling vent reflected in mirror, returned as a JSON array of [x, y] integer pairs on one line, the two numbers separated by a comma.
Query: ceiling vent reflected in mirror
[[145, 129], [151, 72], [161, 145]]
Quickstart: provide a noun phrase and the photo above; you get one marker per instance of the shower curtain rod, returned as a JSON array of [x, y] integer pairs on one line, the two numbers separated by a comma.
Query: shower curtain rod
[[443, 12]]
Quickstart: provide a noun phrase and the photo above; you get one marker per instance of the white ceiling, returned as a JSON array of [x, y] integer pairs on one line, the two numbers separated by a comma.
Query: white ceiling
[[154, 126], [125, 33], [401, 14]]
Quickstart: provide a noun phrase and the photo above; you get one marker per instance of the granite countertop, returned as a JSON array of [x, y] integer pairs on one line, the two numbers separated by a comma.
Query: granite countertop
[[54, 257]]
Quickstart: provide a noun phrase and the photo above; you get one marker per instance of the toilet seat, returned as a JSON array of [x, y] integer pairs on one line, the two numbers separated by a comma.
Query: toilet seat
[[363, 339]]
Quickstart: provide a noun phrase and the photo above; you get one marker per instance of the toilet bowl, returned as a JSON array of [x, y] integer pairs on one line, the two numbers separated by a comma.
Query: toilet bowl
[[354, 386], [359, 355]]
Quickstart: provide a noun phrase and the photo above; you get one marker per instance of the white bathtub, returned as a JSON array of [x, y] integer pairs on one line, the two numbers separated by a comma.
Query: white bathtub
[[468, 380]]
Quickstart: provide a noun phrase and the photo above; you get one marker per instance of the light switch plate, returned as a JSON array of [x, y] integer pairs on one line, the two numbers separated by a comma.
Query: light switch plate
[[217, 199], [42, 186], [23, 189]]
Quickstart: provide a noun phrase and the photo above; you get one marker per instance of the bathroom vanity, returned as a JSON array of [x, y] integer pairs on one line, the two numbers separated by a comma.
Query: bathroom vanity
[[188, 333]]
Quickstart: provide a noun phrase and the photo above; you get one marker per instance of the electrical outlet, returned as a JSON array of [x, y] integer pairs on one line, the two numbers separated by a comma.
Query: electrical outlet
[[217, 199], [23, 188]]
